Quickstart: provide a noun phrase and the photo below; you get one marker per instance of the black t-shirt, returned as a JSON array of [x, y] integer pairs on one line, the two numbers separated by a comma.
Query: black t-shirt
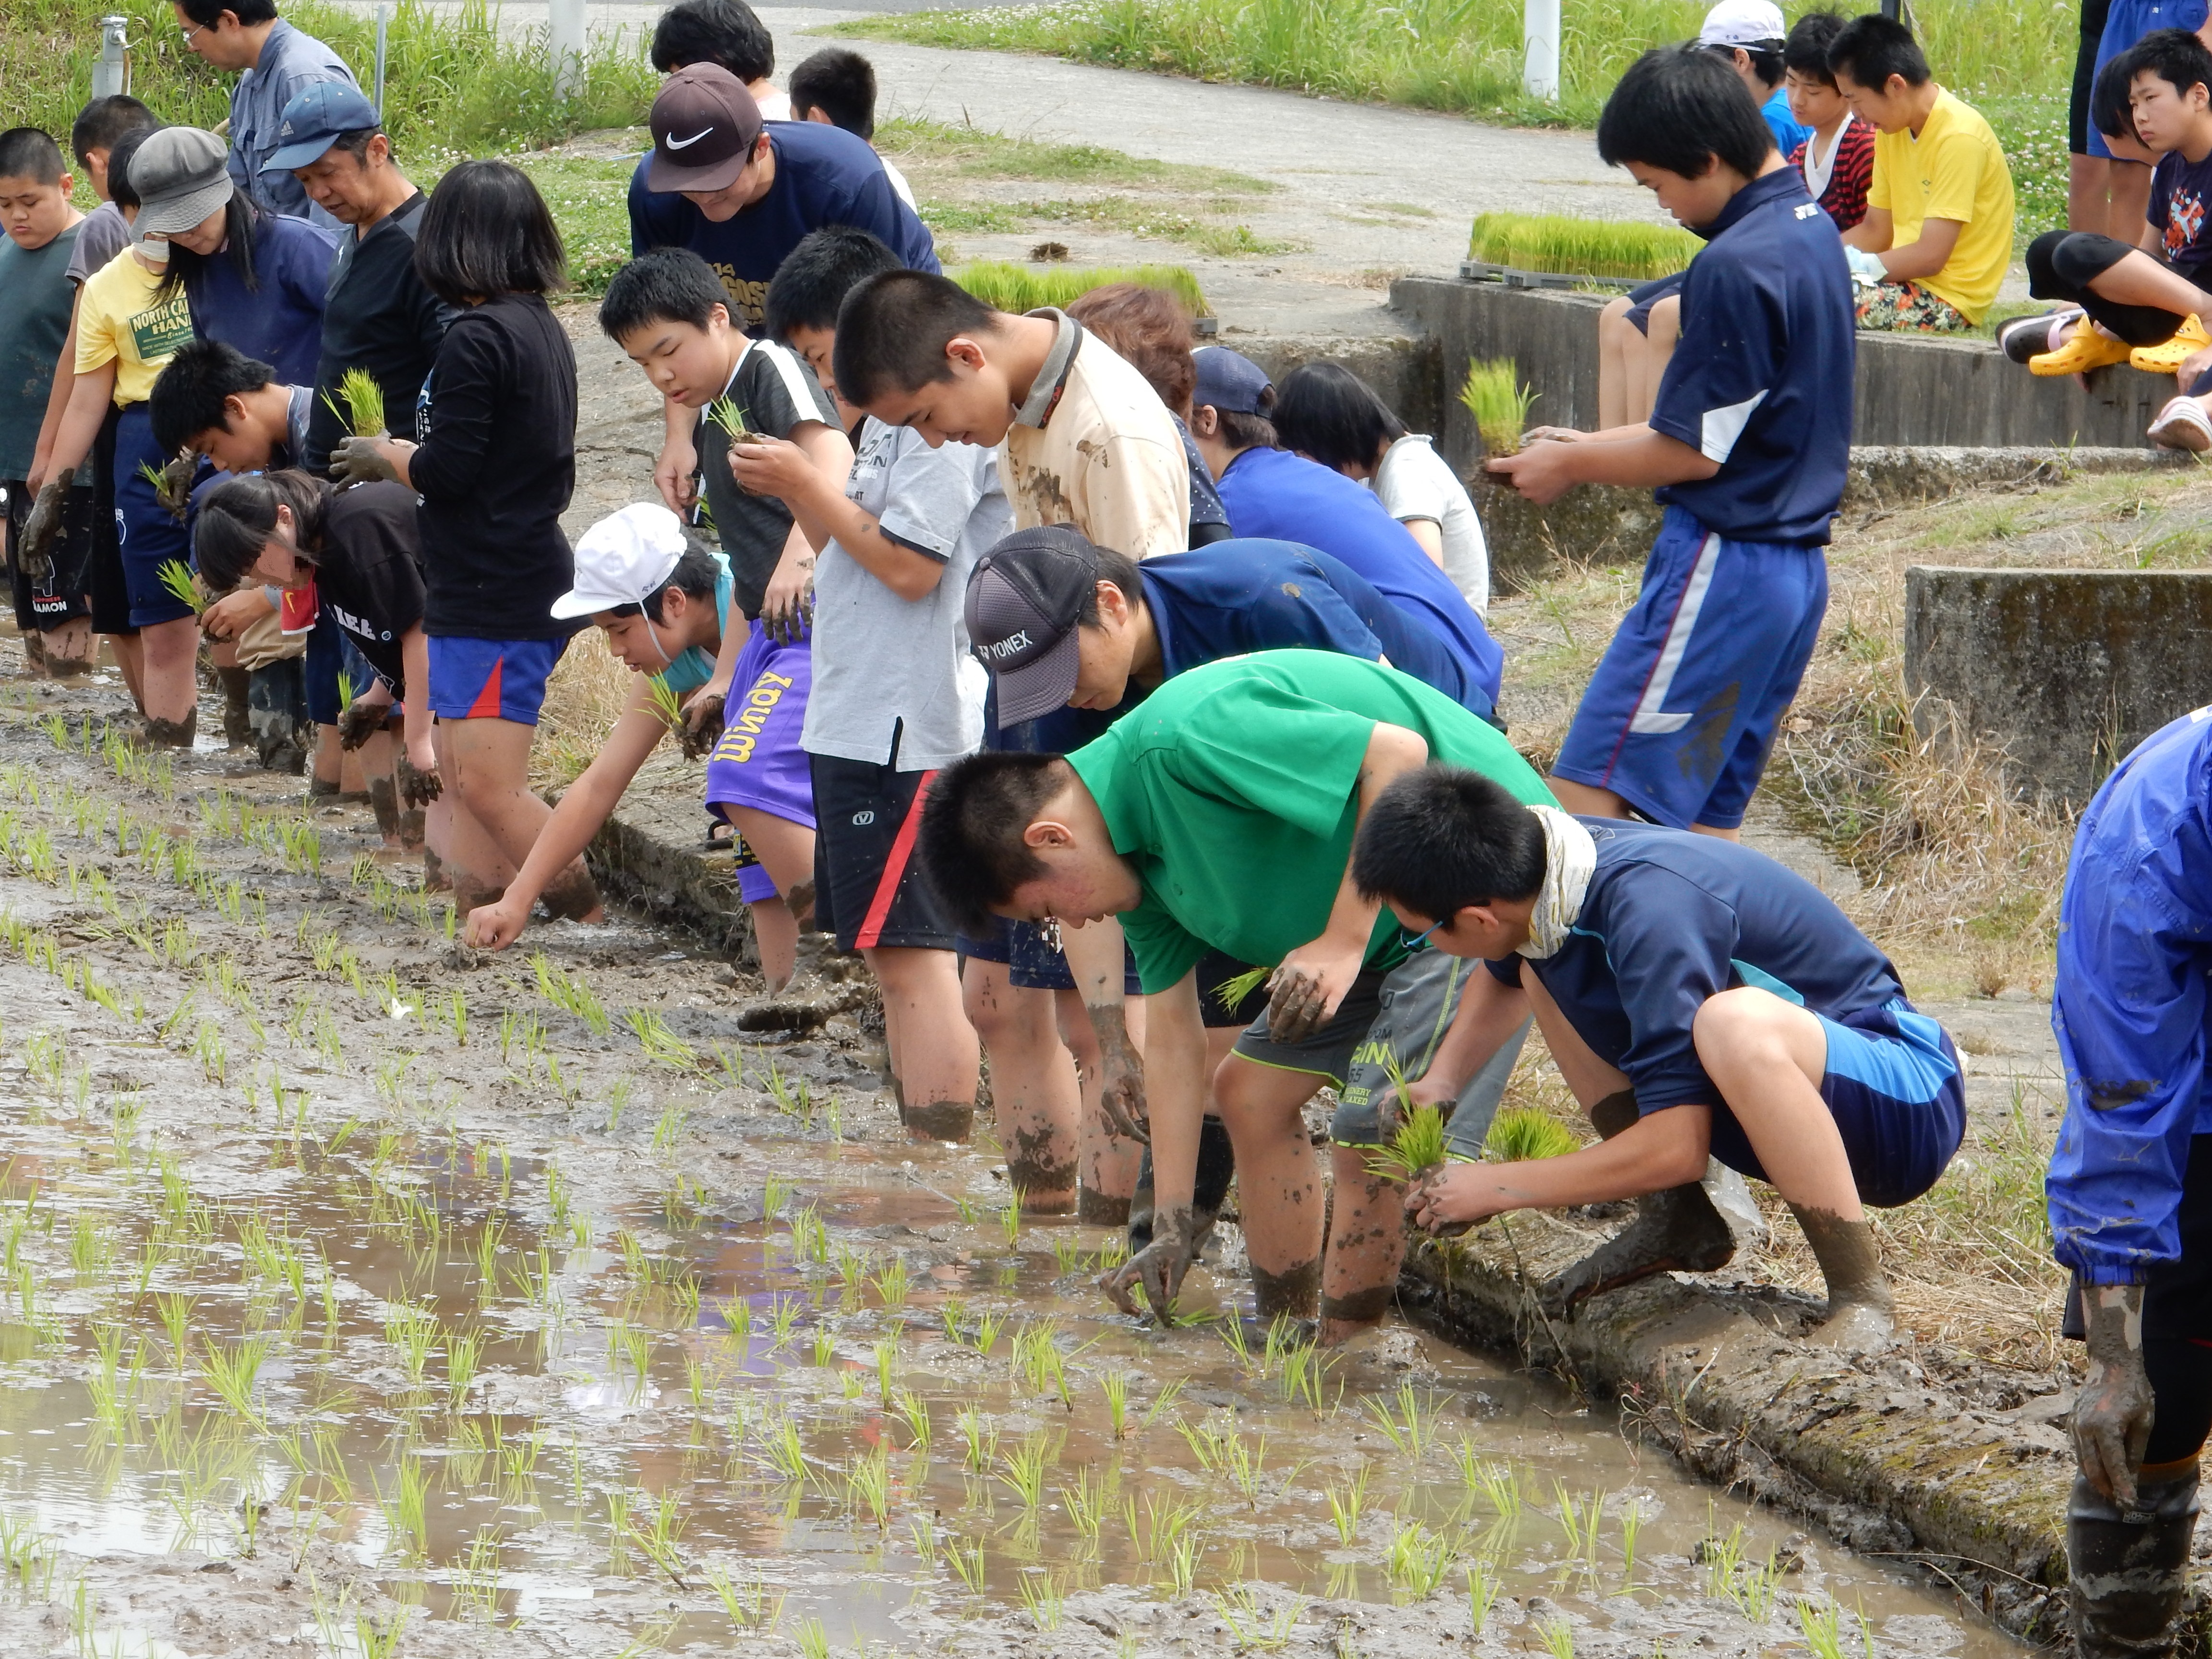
[[380, 317], [775, 391], [496, 468], [370, 577]]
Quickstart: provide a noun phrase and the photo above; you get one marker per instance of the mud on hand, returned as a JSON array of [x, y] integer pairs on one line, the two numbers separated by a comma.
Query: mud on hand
[[360, 721], [1158, 1269], [701, 729], [34, 551], [416, 788], [1297, 1003]]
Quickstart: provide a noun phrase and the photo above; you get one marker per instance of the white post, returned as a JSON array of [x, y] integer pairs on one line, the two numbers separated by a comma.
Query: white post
[[110, 74], [1540, 34], [383, 24], [564, 44]]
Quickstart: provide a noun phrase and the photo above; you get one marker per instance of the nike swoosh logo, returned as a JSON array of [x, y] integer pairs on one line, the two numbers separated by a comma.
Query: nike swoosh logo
[[675, 142]]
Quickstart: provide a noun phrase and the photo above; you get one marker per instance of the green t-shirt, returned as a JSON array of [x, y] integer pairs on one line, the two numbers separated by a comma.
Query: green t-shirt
[[1233, 790]]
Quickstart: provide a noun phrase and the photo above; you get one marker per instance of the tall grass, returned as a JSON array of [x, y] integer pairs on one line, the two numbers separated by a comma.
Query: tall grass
[[1462, 55], [1581, 248], [454, 83], [1026, 288]]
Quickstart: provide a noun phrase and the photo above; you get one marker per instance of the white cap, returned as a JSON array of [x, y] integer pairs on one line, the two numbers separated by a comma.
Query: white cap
[[621, 558], [1743, 23]]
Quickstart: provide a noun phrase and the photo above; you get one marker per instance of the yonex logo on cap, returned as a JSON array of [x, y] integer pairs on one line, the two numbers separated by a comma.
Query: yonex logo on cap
[[1012, 645]]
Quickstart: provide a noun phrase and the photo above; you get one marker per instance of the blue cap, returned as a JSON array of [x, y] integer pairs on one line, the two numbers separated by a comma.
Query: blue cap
[[1230, 381], [313, 121]]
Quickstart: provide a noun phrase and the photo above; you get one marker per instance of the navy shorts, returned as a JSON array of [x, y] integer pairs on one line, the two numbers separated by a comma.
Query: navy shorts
[[869, 890], [1898, 1097], [491, 679], [1031, 964], [330, 654], [1679, 717], [1644, 296], [149, 535]]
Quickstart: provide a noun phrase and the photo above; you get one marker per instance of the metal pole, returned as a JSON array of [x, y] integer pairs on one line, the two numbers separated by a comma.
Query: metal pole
[[110, 74], [383, 19], [1540, 35], [564, 44]]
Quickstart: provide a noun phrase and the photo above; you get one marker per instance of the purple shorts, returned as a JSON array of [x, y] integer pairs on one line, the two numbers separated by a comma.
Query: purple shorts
[[759, 763]]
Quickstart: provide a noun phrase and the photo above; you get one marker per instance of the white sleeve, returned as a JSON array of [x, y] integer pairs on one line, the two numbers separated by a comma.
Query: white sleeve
[[1413, 481]]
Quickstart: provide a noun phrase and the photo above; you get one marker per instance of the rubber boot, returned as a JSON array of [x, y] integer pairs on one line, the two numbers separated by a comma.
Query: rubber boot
[[277, 705], [171, 734], [1217, 1168], [940, 1119], [1860, 1314], [2127, 1571], [1676, 1230], [237, 715]]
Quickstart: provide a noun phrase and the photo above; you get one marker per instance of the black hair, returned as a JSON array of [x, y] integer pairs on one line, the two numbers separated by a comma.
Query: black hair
[[695, 573], [2111, 108], [893, 329], [1440, 838], [355, 143], [842, 84], [241, 224], [1118, 568], [2177, 57], [666, 285], [487, 231], [1325, 411], [205, 13], [972, 823], [118, 165], [725, 31], [30, 153], [187, 399], [235, 520], [1805, 51], [1872, 48], [1766, 61], [103, 121], [814, 279], [1678, 107]]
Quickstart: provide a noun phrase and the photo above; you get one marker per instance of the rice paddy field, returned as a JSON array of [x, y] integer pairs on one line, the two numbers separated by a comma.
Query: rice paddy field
[[360, 1295]]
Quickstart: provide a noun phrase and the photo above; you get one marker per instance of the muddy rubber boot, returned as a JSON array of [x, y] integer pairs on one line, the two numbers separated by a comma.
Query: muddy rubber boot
[[237, 714], [1860, 1316], [940, 1119], [1673, 1230], [1217, 1168], [276, 707], [2127, 1571], [171, 734]]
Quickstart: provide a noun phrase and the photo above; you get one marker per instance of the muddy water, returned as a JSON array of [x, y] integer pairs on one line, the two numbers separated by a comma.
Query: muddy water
[[362, 1296]]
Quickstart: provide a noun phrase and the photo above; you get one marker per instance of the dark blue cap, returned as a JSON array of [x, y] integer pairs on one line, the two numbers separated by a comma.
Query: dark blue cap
[[1230, 381], [313, 121]]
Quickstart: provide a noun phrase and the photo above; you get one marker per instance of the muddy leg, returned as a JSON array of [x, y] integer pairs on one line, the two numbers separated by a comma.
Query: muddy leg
[[1278, 1181], [130, 662], [171, 651], [934, 1056], [1366, 1243], [237, 717], [1673, 1230], [786, 851], [1032, 1075], [69, 649], [1860, 1314]]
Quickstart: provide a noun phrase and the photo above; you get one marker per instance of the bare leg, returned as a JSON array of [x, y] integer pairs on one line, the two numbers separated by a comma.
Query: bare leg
[[1278, 1181], [1614, 334], [786, 851], [2088, 181], [1659, 351], [1033, 1086], [130, 662], [1366, 1245], [2130, 196], [70, 648], [1586, 800], [170, 652], [469, 859], [934, 1055]]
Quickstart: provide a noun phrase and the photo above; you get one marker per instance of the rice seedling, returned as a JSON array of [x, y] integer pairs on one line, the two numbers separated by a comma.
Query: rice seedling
[[1582, 1520], [463, 1352], [776, 1193], [1559, 1637], [1044, 1597], [407, 1510], [1417, 1144], [363, 399], [1518, 1132], [571, 993], [968, 1563], [231, 1373], [1345, 1504], [809, 1235], [784, 1451], [913, 1411], [727, 414], [1418, 1559], [1114, 1385], [1499, 400], [662, 699], [886, 1353], [979, 1436], [1234, 990], [783, 1317], [868, 1486], [1018, 289], [1631, 1522], [1481, 1592], [1823, 1628], [1411, 1428], [1255, 1630], [894, 1283], [1022, 1469], [748, 1604], [1085, 1503], [988, 1326], [1182, 1566], [1581, 248], [923, 1531], [1010, 1222], [813, 1640], [825, 1347]]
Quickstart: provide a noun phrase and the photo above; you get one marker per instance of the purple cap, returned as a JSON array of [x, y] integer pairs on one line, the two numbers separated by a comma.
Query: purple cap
[[1231, 382], [1023, 600]]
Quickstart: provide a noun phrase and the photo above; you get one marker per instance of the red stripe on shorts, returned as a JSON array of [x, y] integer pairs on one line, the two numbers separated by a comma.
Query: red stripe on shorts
[[887, 886], [486, 707]]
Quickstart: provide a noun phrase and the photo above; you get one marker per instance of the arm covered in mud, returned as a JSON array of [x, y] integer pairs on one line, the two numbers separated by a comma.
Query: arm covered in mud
[[587, 804], [1095, 951], [1175, 1054]]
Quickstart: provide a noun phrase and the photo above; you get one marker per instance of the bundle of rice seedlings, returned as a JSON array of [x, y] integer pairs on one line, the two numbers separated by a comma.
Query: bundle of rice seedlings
[[1581, 248], [1230, 991], [1023, 288], [177, 577], [345, 683], [1521, 1132], [363, 400], [1499, 403], [665, 702], [725, 413], [1417, 1144]]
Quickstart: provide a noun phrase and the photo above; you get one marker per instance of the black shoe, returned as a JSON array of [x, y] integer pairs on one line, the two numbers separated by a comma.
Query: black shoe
[[2128, 1571], [2022, 337], [1217, 1168]]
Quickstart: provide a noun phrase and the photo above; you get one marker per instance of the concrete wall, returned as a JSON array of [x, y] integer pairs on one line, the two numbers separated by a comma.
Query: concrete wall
[[2065, 670]]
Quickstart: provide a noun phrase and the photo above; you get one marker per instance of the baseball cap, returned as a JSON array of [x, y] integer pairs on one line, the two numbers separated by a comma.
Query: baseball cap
[[1743, 23], [704, 126], [180, 179], [1023, 602], [621, 558], [1230, 381], [313, 121]]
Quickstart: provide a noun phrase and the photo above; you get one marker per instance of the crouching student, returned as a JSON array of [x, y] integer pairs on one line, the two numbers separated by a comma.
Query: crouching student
[[1699, 999], [1748, 445], [1220, 815], [2130, 1187], [665, 604]]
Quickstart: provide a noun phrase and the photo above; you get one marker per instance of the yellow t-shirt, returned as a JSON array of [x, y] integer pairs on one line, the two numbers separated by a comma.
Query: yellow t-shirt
[[121, 320], [1956, 169]]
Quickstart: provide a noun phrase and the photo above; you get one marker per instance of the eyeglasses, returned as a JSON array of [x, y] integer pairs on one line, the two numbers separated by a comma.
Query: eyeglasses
[[196, 28], [1410, 941]]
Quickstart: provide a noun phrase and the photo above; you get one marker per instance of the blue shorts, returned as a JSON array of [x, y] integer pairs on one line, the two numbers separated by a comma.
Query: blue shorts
[[1898, 1097], [1031, 964], [2127, 22], [330, 654], [1679, 717], [758, 762], [148, 532], [1644, 296], [491, 679]]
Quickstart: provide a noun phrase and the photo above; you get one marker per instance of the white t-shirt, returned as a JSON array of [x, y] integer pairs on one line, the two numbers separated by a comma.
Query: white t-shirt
[[900, 188], [1414, 483], [880, 660]]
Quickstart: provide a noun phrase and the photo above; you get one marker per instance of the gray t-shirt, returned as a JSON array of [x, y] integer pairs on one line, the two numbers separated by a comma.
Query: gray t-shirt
[[885, 666], [38, 301], [104, 233]]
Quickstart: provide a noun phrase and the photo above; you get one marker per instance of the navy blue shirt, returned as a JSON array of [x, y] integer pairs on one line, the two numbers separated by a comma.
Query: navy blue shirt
[[1274, 494], [824, 176], [1231, 598], [1761, 379], [1671, 918], [279, 322]]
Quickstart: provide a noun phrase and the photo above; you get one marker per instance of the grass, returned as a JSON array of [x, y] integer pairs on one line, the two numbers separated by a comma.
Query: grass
[[1029, 288], [1581, 248], [1495, 395]]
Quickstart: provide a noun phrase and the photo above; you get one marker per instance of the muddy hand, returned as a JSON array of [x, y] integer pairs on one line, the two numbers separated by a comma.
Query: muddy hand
[[360, 461], [174, 491], [35, 552], [416, 787], [2112, 1417], [360, 721], [1121, 1097], [1158, 1269], [496, 927], [1298, 1002], [702, 725]]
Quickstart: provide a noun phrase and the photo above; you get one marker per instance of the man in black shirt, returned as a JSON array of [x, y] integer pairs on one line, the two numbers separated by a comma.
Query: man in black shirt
[[378, 316]]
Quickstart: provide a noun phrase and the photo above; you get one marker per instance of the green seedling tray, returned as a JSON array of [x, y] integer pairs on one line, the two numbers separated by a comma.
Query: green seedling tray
[[1477, 270]]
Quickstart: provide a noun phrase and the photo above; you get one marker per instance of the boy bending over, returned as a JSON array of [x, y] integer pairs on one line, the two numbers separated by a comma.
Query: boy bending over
[[1700, 1000]]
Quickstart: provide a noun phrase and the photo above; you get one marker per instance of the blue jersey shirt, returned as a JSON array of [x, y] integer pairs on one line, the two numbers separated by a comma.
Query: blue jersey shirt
[[1788, 134], [1761, 381], [1231, 598], [1671, 918], [824, 176], [1274, 494], [695, 664], [279, 321], [2131, 1009]]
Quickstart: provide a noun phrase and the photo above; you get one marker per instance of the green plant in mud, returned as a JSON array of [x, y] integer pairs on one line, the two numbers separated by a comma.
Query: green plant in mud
[[1411, 1428], [1344, 1504], [1417, 1143], [1256, 1630], [1558, 1639], [663, 700], [748, 1604], [1418, 1559], [1044, 1596], [1481, 1591]]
